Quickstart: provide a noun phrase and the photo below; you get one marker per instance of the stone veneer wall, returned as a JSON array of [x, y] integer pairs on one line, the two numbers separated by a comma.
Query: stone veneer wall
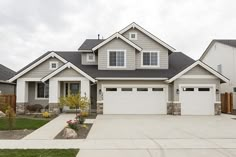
[[173, 108], [21, 108], [54, 107], [217, 108], [99, 108]]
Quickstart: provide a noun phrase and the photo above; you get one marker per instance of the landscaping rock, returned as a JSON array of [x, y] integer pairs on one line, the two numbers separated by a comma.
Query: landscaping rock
[[69, 133], [2, 114]]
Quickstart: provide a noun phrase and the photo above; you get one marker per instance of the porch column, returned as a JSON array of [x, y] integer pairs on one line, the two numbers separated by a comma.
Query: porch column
[[54, 94], [21, 96], [85, 88]]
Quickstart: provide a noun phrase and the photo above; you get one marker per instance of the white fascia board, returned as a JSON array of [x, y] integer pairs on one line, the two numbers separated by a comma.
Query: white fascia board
[[117, 35], [67, 65], [128, 78], [202, 65], [85, 51], [134, 25], [52, 54]]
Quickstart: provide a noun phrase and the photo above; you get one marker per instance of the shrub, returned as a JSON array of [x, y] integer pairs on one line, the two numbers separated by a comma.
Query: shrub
[[34, 108], [46, 115], [73, 124], [10, 116], [80, 118], [3, 107]]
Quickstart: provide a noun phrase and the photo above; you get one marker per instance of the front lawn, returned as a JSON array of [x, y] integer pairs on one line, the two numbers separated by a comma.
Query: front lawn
[[23, 123], [38, 152]]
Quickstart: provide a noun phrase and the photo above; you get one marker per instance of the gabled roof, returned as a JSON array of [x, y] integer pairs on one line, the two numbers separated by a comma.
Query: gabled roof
[[134, 25], [35, 63], [117, 35], [203, 65], [5, 73], [88, 44], [229, 42]]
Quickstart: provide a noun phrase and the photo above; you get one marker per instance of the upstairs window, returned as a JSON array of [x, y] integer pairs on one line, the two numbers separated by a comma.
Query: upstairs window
[[42, 90], [150, 59], [90, 57], [116, 58], [133, 36], [53, 65]]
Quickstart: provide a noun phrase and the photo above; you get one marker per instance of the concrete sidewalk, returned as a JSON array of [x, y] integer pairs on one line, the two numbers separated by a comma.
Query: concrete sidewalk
[[51, 129]]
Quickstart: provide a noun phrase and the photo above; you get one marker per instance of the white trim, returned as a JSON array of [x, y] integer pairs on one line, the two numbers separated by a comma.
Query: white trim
[[151, 51], [199, 76], [52, 54], [67, 65], [50, 65], [117, 35], [128, 78], [85, 51], [36, 92], [87, 57], [130, 36], [134, 25], [108, 58], [204, 66], [27, 79]]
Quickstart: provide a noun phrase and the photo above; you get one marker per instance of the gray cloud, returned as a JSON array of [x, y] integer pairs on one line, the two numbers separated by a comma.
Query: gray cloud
[[30, 28]]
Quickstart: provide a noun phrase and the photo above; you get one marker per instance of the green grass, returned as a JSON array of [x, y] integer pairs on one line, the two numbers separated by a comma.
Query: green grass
[[23, 123], [38, 152]]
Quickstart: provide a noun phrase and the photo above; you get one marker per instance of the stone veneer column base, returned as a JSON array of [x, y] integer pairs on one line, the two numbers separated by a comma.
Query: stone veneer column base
[[99, 108], [217, 108], [54, 107], [21, 108], [174, 108]]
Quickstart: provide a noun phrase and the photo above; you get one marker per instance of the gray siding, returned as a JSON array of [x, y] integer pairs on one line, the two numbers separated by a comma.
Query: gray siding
[[68, 73], [85, 62], [146, 43], [42, 69], [116, 44], [7, 88], [198, 70], [195, 81], [32, 98]]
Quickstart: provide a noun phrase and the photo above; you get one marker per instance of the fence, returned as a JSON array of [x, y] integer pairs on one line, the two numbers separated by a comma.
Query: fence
[[8, 99], [227, 102]]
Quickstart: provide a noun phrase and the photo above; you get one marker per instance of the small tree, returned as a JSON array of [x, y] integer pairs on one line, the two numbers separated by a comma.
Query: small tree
[[76, 101], [10, 117]]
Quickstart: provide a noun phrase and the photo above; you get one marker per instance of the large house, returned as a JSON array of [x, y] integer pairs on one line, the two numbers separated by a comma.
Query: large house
[[130, 72], [221, 56], [6, 88]]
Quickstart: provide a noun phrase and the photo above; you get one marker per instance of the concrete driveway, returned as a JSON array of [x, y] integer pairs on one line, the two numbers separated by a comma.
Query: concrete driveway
[[167, 136]]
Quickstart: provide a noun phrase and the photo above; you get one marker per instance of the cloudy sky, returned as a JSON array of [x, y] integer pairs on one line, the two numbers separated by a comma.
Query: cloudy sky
[[29, 28]]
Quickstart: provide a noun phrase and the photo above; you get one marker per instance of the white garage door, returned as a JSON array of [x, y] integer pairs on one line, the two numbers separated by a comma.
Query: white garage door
[[197, 100], [133, 100]]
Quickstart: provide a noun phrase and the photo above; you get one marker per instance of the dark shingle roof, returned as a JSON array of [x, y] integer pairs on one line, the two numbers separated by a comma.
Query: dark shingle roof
[[6, 73], [88, 44], [227, 42], [177, 62]]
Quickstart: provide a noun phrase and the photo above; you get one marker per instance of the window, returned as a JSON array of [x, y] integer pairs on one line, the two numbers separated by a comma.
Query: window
[[42, 90], [142, 89], [116, 58], [133, 36], [188, 89], [53, 65], [126, 89], [203, 89], [234, 89], [150, 59], [91, 57], [157, 89], [111, 89], [219, 68]]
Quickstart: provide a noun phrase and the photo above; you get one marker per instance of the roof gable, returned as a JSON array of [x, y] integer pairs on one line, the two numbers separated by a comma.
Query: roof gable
[[134, 25]]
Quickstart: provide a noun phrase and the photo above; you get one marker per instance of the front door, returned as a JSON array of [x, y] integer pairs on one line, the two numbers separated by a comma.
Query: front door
[[72, 88]]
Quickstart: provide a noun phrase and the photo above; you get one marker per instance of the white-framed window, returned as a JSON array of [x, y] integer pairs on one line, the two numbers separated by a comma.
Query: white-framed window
[[53, 65], [116, 58], [41, 90], [133, 36], [219, 68], [90, 57], [150, 59]]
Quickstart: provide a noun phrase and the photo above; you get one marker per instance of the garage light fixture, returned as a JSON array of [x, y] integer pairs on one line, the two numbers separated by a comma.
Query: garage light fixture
[[177, 91], [217, 91], [100, 91]]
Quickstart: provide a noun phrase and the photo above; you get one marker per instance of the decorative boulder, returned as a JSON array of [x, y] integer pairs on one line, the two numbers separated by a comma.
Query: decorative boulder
[[2, 114], [69, 133]]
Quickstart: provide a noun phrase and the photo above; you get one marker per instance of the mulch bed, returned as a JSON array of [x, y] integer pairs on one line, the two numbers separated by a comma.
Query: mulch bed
[[82, 132], [14, 134]]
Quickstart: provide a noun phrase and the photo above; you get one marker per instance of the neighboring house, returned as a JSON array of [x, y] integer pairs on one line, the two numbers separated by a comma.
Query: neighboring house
[[5, 86], [221, 56], [130, 72]]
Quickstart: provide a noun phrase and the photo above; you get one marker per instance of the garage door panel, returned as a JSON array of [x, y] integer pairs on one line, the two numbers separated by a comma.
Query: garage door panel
[[134, 102]]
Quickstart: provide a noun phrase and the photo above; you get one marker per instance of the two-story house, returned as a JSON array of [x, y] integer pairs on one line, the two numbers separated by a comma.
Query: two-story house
[[130, 72], [221, 56]]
